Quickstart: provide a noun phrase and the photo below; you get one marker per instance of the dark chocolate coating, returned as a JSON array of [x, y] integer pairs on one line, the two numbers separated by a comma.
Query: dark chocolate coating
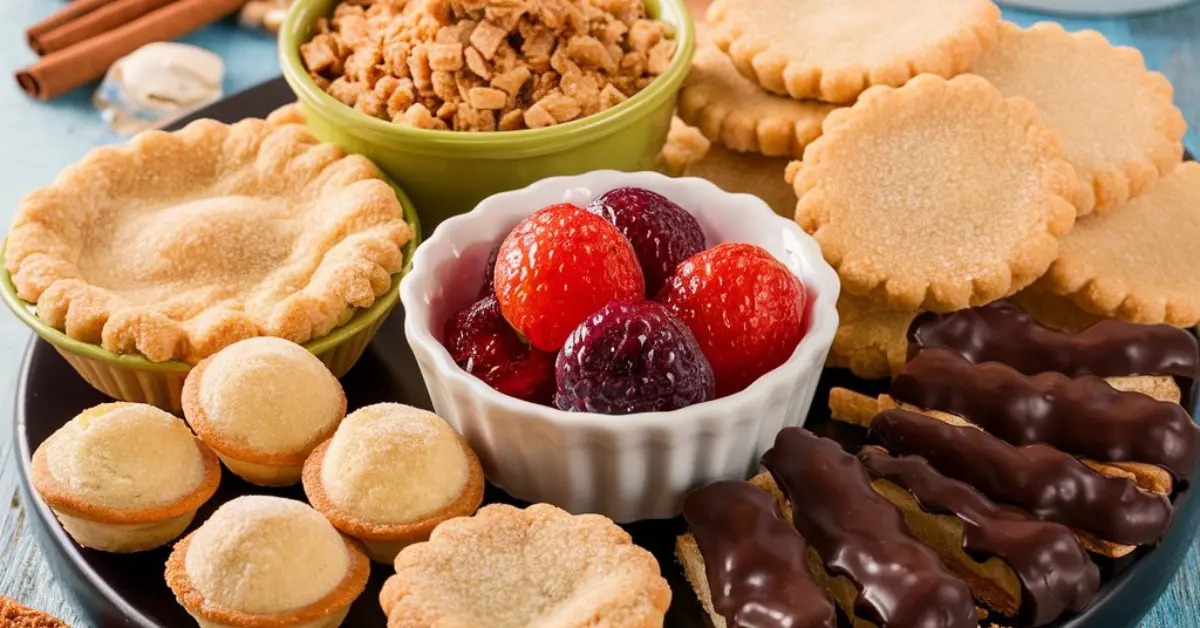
[[1055, 572], [757, 564], [860, 535], [1048, 483], [1083, 416], [1003, 332]]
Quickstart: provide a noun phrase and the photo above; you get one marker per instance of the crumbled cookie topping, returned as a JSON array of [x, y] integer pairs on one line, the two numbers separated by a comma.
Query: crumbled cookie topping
[[487, 65]]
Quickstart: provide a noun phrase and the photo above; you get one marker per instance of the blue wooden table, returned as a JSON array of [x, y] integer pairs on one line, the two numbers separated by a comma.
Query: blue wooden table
[[37, 140]]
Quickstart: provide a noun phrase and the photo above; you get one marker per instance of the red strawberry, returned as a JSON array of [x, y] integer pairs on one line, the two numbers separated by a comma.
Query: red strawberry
[[558, 267], [484, 345], [744, 307]]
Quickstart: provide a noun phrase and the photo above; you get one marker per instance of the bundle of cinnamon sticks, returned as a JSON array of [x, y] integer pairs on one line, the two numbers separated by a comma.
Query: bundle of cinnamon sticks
[[79, 43]]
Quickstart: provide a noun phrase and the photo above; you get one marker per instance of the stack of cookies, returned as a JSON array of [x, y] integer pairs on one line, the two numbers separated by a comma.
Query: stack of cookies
[[960, 160], [733, 131]]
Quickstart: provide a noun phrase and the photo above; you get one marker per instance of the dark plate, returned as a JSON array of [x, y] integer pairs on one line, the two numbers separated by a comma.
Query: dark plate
[[129, 590]]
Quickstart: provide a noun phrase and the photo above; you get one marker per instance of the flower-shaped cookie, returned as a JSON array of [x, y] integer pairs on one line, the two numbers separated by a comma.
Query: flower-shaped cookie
[[832, 51], [1139, 263], [730, 109], [538, 567], [179, 244], [1116, 121], [872, 339], [937, 195]]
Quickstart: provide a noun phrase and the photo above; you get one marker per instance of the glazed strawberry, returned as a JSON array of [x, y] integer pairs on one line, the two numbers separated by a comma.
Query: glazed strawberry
[[485, 345], [745, 308], [662, 233], [557, 267], [631, 357]]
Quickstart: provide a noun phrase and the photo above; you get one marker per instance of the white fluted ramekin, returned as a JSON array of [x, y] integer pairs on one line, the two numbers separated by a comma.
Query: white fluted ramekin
[[626, 467]]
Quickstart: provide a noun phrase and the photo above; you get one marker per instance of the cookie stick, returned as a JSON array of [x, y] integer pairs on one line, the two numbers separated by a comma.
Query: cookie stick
[[1083, 416], [1110, 515], [748, 566], [851, 407], [1034, 569], [860, 537], [1003, 332]]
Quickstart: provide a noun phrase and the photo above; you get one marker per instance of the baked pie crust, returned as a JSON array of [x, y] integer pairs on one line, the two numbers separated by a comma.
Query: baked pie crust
[[78, 472], [397, 473], [512, 568], [179, 244]]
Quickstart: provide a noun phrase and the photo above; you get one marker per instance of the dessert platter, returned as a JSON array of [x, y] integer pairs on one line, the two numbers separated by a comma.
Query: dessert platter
[[583, 313]]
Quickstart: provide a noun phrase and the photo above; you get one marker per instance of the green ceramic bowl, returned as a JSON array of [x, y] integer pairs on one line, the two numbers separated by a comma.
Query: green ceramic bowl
[[134, 378], [449, 172]]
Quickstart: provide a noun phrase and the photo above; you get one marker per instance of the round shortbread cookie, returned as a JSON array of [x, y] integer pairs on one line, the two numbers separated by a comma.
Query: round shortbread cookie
[[1118, 126], [938, 195], [1052, 310], [833, 51], [735, 112], [871, 340], [1139, 263]]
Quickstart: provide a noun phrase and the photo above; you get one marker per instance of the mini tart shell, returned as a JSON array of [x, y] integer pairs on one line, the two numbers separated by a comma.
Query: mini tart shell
[[59, 497], [759, 59], [195, 603], [269, 468], [395, 534]]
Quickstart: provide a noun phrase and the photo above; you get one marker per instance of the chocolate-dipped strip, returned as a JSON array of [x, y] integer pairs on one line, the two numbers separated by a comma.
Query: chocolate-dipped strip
[[1048, 483], [1055, 572], [756, 564], [1003, 332], [860, 535], [1083, 416], [857, 409]]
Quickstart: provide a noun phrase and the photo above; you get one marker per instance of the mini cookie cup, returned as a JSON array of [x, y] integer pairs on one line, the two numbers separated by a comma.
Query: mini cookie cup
[[383, 541], [256, 467], [327, 612], [119, 530]]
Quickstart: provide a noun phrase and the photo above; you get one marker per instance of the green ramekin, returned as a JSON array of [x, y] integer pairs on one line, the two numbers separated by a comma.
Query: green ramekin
[[449, 172], [136, 379]]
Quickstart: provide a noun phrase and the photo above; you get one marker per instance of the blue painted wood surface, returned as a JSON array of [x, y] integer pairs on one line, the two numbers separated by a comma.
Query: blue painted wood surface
[[39, 139]]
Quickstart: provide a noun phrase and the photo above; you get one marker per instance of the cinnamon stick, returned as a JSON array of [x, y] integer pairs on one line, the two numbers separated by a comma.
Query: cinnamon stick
[[60, 72], [113, 14], [72, 11]]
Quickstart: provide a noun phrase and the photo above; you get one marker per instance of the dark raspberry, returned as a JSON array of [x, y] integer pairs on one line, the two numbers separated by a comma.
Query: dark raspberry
[[489, 274], [746, 309], [486, 346], [663, 234], [631, 357]]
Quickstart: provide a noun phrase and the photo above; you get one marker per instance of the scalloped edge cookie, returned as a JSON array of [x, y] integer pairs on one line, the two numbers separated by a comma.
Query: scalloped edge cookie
[[1021, 55], [883, 268], [759, 57], [735, 112], [631, 593], [871, 340], [1126, 263]]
